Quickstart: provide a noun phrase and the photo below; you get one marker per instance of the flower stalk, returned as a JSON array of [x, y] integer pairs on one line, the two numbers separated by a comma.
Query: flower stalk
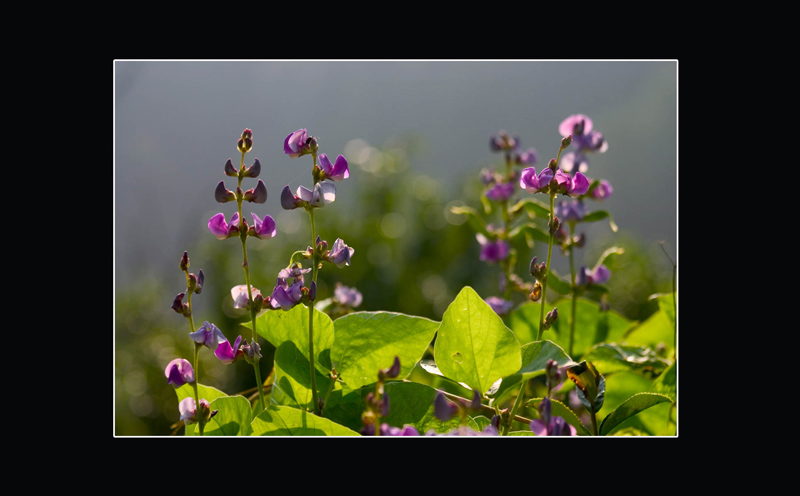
[[314, 264]]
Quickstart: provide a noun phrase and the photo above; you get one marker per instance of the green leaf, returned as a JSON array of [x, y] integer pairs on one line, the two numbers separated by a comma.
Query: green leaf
[[411, 403], [558, 284], [475, 221], [600, 215], [292, 384], [613, 357], [667, 305], [205, 392], [655, 421], [473, 345], [534, 207], [667, 382], [534, 361], [653, 331], [558, 409], [278, 327], [635, 404], [232, 419], [592, 326], [529, 230], [287, 421], [369, 341]]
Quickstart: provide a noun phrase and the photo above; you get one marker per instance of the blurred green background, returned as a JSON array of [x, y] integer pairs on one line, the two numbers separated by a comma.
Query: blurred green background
[[416, 137]]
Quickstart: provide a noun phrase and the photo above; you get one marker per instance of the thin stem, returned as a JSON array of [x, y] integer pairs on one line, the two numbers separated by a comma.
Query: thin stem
[[327, 395], [544, 283], [243, 238], [594, 422], [311, 368], [574, 289], [196, 353]]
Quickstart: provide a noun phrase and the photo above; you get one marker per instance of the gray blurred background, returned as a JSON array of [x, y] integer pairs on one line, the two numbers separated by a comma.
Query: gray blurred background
[[425, 122]]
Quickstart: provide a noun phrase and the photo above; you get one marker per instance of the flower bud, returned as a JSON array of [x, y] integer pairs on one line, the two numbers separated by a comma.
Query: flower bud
[[192, 283], [552, 165], [230, 170], [257, 194], [536, 292], [179, 306], [247, 133], [244, 145], [185, 261], [443, 408], [254, 170], [251, 351], [554, 224], [222, 194], [551, 317], [565, 141], [312, 291]]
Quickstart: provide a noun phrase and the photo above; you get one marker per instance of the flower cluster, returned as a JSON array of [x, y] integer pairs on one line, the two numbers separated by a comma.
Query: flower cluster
[[297, 144]]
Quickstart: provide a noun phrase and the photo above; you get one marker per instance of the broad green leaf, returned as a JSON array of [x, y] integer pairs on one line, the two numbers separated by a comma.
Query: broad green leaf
[[475, 221], [534, 361], [667, 305], [292, 385], [205, 392], [667, 382], [592, 326], [613, 357], [232, 419], [655, 421], [558, 409], [532, 230], [635, 404], [655, 330], [599, 215], [278, 326], [287, 421], [473, 345], [369, 341], [629, 431]]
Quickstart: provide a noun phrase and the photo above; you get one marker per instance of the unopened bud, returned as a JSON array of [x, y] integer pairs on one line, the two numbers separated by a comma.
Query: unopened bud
[[258, 302], [552, 164], [254, 170], [179, 306], [200, 279], [551, 317], [247, 133], [312, 291], [222, 194], [566, 141], [311, 142], [244, 145], [257, 194], [554, 224], [185, 261], [394, 370], [536, 292], [533, 267], [229, 169]]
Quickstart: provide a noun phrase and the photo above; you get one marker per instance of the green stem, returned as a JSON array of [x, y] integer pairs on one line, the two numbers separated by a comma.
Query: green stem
[[544, 283], [594, 422], [574, 289], [311, 368], [196, 361], [327, 395], [245, 265]]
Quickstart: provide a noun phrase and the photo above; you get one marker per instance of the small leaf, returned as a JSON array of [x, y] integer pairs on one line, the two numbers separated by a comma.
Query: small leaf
[[667, 382], [599, 215], [613, 357], [535, 232], [534, 207], [474, 220], [557, 284], [632, 406]]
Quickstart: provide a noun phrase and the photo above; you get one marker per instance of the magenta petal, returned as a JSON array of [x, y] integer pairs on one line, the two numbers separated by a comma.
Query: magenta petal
[[580, 185], [225, 353], [567, 126], [325, 164], [528, 180], [179, 372], [218, 226], [545, 177], [264, 229], [340, 169], [538, 427]]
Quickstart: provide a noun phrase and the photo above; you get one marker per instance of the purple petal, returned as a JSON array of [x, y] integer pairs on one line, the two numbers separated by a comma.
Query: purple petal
[[601, 274], [280, 299], [188, 410], [539, 427], [340, 169], [305, 194], [264, 229], [567, 126], [288, 200], [218, 226], [528, 180], [260, 193], [325, 164], [580, 185], [179, 372]]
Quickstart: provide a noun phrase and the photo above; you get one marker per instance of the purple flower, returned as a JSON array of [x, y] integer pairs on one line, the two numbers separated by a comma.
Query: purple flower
[[503, 142], [568, 185], [189, 410], [575, 125], [549, 425], [492, 251], [599, 275], [257, 194], [208, 335], [500, 192], [228, 354], [324, 193], [339, 254], [499, 305], [347, 296], [573, 160], [532, 183], [443, 408], [528, 157], [571, 211], [221, 229], [223, 194], [263, 229], [240, 297], [252, 171], [284, 295], [602, 190], [593, 142], [335, 172], [299, 143], [407, 430], [179, 372]]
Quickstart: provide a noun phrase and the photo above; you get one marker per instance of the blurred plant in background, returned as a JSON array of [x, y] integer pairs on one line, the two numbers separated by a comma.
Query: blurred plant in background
[[417, 256]]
